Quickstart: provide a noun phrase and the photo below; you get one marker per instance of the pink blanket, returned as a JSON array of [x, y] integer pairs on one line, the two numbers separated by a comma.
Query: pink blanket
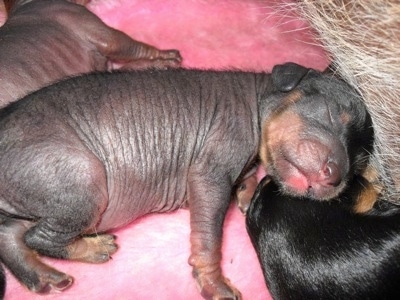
[[152, 260]]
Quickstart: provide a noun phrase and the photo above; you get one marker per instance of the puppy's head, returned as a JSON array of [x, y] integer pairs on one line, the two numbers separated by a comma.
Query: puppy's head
[[318, 136]]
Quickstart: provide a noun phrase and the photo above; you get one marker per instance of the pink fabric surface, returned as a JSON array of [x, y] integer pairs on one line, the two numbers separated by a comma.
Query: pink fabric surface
[[152, 260]]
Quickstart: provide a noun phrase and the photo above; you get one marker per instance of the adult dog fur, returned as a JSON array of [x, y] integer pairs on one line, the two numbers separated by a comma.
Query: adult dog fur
[[363, 39]]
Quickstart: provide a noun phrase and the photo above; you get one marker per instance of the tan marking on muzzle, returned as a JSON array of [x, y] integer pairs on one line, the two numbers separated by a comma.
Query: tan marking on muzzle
[[272, 136], [280, 115], [263, 150]]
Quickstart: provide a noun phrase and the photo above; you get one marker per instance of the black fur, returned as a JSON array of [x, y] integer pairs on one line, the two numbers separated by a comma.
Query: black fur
[[323, 250], [2, 282]]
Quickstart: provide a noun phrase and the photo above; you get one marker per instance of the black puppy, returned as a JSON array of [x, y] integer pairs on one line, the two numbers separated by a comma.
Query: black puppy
[[323, 249]]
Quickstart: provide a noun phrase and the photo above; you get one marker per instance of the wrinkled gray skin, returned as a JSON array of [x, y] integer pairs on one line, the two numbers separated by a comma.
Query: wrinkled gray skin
[[44, 41], [95, 152], [99, 151]]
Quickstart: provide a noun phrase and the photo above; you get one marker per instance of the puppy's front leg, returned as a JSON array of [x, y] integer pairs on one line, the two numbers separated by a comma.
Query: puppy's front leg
[[208, 202], [245, 191]]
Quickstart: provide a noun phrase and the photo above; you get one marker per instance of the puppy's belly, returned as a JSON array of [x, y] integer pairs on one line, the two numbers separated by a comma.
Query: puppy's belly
[[124, 209]]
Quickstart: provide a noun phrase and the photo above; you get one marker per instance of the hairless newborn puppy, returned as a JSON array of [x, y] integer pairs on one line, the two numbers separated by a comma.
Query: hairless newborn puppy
[[44, 41], [95, 152], [325, 250]]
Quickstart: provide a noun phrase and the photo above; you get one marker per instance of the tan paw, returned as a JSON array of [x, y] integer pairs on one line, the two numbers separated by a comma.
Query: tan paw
[[93, 249]]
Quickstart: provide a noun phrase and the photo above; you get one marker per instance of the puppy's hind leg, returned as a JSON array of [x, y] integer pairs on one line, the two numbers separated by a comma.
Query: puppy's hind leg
[[24, 263], [74, 211]]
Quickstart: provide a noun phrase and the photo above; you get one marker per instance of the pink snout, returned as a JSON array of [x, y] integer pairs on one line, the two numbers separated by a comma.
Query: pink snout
[[312, 168]]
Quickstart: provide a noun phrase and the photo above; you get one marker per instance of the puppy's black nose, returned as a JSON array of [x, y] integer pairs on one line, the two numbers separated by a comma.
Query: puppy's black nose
[[330, 174]]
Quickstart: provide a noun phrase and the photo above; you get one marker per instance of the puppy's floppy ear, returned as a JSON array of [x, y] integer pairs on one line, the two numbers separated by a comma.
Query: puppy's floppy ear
[[287, 76]]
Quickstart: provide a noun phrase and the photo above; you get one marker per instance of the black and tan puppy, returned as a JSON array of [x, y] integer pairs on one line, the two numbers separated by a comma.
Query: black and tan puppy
[[324, 249], [312, 147], [332, 128], [95, 152]]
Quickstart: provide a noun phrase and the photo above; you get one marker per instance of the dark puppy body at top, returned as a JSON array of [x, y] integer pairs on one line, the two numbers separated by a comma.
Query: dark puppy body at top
[[44, 41], [95, 152], [324, 249]]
